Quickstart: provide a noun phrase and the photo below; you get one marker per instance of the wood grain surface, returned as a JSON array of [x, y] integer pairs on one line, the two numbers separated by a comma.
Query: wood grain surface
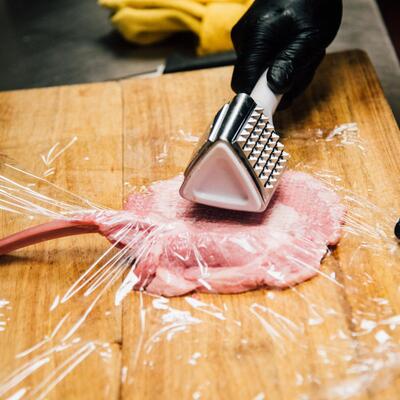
[[135, 131]]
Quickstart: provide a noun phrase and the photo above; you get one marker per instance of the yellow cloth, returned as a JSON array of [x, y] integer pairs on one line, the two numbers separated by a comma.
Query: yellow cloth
[[150, 21]]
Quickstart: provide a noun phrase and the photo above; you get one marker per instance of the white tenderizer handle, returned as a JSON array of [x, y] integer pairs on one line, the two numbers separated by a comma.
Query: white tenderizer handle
[[265, 97]]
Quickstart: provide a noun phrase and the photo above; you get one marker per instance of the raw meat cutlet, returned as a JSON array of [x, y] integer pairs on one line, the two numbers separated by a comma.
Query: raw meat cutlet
[[181, 247], [207, 249]]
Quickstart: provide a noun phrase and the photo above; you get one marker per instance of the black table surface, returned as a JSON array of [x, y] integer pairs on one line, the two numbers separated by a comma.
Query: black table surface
[[56, 42]]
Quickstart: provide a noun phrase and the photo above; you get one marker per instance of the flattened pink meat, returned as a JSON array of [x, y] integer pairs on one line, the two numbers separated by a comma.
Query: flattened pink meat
[[214, 250]]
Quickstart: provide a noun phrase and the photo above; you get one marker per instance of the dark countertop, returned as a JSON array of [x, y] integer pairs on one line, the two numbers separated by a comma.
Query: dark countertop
[[363, 28], [48, 42]]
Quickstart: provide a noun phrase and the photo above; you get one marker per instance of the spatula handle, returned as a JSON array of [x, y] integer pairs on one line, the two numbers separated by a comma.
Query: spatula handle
[[265, 97], [47, 231]]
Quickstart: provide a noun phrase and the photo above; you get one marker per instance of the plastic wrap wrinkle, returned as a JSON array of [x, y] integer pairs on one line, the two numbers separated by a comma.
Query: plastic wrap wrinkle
[[365, 345], [55, 152], [4, 319]]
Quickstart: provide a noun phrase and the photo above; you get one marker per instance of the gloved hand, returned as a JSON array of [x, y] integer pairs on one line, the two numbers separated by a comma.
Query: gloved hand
[[289, 37]]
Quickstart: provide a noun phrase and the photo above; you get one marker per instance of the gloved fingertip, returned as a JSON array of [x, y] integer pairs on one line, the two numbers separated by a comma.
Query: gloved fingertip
[[237, 84], [280, 77], [285, 103], [242, 79]]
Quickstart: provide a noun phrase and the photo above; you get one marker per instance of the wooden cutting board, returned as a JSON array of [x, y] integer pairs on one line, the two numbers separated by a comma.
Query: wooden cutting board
[[135, 131]]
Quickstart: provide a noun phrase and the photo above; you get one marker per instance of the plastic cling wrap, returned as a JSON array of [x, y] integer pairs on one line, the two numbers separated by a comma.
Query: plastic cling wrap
[[323, 324]]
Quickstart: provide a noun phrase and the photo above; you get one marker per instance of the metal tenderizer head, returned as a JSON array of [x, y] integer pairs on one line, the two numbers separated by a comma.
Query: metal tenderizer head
[[238, 163]]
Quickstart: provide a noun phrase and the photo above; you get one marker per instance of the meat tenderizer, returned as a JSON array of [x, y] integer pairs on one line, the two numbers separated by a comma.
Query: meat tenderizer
[[239, 161]]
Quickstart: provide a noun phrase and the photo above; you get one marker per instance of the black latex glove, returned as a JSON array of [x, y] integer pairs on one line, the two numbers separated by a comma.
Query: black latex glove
[[289, 37]]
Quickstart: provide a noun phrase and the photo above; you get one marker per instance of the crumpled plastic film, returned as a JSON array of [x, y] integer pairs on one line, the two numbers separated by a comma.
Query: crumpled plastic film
[[343, 317]]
